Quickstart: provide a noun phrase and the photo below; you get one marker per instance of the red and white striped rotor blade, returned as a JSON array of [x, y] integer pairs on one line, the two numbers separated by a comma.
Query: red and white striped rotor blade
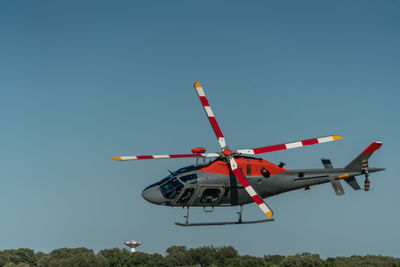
[[242, 179], [308, 142], [210, 114], [172, 156]]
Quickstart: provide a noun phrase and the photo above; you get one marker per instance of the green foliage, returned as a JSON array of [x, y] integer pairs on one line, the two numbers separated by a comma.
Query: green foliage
[[179, 256], [17, 256], [274, 260], [303, 260], [367, 261], [121, 257], [224, 254], [67, 257], [245, 261], [115, 257], [203, 256], [10, 264]]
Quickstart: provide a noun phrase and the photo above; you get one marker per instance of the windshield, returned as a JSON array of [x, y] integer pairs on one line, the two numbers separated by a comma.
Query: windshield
[[181, 170], [160, 182], [171, 189], [190, 179]]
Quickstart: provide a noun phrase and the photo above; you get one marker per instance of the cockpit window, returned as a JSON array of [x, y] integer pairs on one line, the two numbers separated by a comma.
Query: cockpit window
[[189, 168], [171, 189], [190, 179], [186, 196], [160, 182]]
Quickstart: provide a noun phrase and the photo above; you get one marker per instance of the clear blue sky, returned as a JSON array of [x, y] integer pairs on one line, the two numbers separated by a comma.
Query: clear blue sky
[[85, 80]]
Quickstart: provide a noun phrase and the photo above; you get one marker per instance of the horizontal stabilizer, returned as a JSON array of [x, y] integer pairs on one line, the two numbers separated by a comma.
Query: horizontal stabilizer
[[337, 187], [353, 183]]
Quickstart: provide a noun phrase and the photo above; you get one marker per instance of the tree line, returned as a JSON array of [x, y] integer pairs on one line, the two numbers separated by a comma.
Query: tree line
[[177, 256]]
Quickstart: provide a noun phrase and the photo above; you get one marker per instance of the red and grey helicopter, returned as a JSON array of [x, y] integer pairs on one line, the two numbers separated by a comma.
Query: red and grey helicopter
[[236, 177]]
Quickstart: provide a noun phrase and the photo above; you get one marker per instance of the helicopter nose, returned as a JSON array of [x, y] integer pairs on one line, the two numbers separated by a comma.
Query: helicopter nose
[[152, 194]]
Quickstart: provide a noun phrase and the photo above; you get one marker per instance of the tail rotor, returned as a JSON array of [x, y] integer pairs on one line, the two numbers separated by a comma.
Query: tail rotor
[[361, 162], [367, 182]]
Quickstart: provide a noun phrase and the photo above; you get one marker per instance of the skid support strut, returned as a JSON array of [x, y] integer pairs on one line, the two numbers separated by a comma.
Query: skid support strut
[[187, 215], [240, 214]]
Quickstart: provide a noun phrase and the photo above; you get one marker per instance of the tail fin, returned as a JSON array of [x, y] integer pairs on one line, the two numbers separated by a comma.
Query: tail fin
[[357, 163], [327, 163]]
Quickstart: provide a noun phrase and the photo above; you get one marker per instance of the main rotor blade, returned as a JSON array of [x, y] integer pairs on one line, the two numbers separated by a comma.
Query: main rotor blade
[[308, 142], [242, 179], [172, 156], [210, 114]]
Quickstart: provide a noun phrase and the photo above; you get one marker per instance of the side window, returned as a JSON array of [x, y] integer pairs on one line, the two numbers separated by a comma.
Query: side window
[[210, 196], [249, 169], [186, 196], [190, 179]]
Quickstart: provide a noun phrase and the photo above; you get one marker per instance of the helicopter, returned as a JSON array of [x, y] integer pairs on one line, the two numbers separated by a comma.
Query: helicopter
[[237, 177]]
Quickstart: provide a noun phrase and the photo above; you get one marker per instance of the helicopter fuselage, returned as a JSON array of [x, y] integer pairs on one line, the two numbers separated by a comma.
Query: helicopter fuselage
[[214, 184]]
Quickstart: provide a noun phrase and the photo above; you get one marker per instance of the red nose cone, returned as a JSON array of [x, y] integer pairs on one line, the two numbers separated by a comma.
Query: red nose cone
[[197, 150], [227, 152]]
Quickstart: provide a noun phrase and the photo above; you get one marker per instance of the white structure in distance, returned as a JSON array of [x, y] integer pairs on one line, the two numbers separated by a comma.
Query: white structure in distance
[[133, 244]]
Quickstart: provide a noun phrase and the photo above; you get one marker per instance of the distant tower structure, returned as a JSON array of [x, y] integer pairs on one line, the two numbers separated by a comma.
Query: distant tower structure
[[133, 244]]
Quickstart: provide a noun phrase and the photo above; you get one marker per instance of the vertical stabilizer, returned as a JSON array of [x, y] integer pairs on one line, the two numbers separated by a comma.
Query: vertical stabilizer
[[327, 163], [357, 163]]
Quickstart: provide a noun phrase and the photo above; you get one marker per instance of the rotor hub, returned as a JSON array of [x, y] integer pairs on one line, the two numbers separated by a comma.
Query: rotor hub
[[227, 152]]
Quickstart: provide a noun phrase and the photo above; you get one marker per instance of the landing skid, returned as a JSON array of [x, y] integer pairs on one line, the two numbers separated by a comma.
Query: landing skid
[[239, 221], [223, 223]]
